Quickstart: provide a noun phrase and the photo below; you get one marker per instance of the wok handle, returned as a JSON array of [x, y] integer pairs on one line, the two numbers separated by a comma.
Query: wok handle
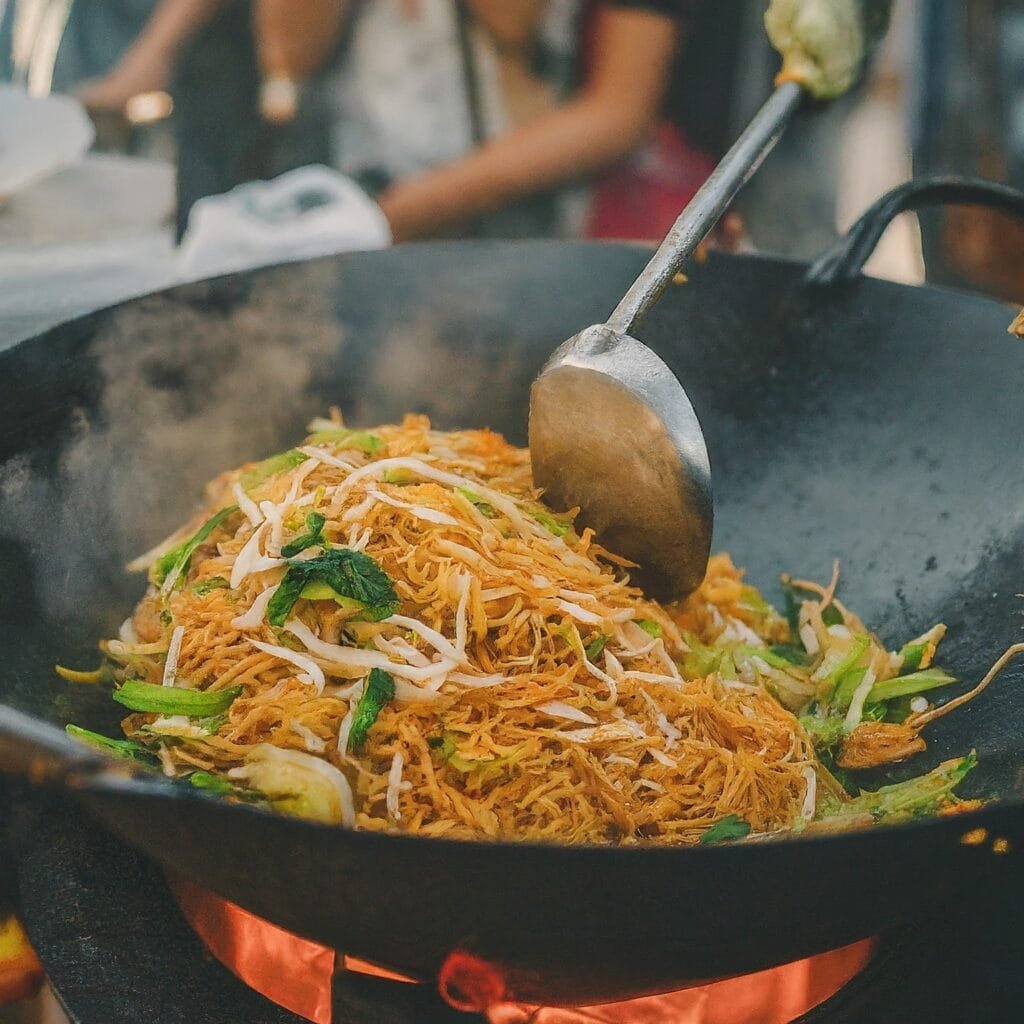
[[845, 260], [42, 753]]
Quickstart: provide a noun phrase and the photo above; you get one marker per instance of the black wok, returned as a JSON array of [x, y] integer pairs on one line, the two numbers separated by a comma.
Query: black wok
[[873, 422]]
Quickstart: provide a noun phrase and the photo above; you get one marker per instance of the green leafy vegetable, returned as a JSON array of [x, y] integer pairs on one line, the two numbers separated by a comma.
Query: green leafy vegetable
[[348, 576], [767, 654], [398, 477], [701, 659], [846, 687], [837, 663], [650, 627], [179, 558], [832, 616], [826, 732], [916, 797], [752, 601], [313, 536], [473, 498], [341, 438], [212, 724], [908, 686], [550, 523], [730, 827], [380, 688], [129, 750], [264, 470], [203, 587], [596, 646], [212, 783], [174, 700], [912, 655]]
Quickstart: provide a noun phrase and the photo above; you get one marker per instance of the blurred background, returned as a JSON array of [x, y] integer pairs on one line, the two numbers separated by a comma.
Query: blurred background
[[481, 118]]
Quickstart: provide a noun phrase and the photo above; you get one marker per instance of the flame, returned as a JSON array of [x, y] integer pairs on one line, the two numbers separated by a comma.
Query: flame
[[297, 974]]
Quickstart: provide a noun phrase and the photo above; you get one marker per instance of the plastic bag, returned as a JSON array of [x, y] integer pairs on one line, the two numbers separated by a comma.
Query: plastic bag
[[313, 211]]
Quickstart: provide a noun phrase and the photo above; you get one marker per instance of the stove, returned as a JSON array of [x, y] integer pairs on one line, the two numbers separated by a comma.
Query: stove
[[117, 948]]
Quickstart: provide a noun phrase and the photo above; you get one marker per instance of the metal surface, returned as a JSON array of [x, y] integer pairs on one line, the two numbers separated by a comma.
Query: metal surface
[[613, 432], [873, 423]]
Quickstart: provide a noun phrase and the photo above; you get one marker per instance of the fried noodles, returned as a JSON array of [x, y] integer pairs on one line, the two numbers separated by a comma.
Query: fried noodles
[[402, 637]]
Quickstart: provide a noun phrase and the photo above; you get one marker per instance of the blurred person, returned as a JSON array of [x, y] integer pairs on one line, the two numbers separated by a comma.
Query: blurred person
[[418, 101]]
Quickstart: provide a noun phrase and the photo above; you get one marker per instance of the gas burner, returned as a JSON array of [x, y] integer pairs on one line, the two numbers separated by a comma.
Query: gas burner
[[118, 949]]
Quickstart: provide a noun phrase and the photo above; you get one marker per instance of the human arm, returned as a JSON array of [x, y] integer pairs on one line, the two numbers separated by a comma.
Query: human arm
[[147, 64], [510, 24], [610, 116]]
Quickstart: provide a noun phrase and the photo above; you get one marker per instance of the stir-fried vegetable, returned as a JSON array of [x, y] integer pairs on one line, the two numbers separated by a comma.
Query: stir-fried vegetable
[[380, 688], [342, 438], [341, 574], [311, 538], [174, 700], [176, 561], [730, 827], [917, 797], [263, 471], [129, 750]]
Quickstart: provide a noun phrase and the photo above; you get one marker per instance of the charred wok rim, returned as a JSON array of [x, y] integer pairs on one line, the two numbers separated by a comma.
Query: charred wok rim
[[806, 289], [1010, 808]]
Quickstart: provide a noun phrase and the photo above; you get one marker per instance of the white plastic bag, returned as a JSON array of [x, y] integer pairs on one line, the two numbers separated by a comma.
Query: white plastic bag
[[39, 136], [313, 211]]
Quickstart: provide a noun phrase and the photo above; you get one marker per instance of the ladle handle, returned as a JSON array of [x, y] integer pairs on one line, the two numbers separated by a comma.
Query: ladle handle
[[710, 202], [41, 753]]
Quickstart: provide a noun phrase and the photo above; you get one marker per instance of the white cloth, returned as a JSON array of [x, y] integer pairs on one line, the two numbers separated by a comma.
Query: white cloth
[[399, 94]]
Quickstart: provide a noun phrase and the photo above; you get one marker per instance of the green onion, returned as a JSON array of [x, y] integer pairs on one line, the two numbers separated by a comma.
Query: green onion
[[380, 688], [915, 797], [731, 827], [349, 576], [173, 700], [264, 470], [650, 627], [178, 559], [313, 536], [596, 646], [908, 686], [127, 749]]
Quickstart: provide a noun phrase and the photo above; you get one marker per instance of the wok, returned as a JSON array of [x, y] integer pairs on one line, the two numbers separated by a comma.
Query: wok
[[858, 419]]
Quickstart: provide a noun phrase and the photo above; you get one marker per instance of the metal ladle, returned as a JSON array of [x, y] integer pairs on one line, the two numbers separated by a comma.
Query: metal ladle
[[611, 428]]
